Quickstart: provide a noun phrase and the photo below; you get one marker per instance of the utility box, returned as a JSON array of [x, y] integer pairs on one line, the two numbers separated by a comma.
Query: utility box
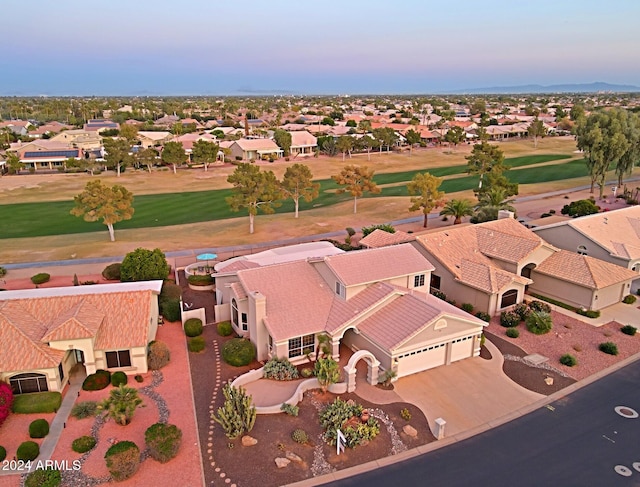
[[440, 424]]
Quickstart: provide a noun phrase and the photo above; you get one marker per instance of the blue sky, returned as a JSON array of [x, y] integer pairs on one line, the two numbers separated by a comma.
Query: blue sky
[[124, 47]]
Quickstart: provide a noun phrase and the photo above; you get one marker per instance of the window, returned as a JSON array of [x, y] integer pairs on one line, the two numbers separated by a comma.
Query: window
[[244, 322], [61, 372], [418, 280], [234, 312], [119, 358], [339, 289], [25, 383], [301, 345], [582, 250], [435, 281], [509, 298]]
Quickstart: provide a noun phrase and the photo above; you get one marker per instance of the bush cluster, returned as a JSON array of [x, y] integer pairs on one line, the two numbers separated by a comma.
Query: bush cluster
[[200, 280], [193, 327], [483, 316], [169, 301], [224, 328], [97, 381], [405, 414], [468, 307], [339, 414], [163, 441], [6, 401], [158, 355], [306, 372], [3, 271], [43, 477], [40, 278], [568, 360], [509, 319], [439, 294], [629, 330], [84, 409], [39, 428], [289, 409], [112, 272], [522, 310], [118, 378], [144, 265], [300, 436], [539, 322], [238, 352], [588, 313], [385, 227], [29, 450], [539, 306], [122, 459], [629, 299], [196, 344], [83, 444], [608, 348], [280, 369], [580, 208], [512, 333]]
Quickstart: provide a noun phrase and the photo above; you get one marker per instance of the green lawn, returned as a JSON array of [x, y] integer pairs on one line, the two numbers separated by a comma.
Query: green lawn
[[159, 210]]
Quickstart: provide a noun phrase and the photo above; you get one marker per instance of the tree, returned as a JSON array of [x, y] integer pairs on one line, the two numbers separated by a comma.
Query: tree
[[129, 132], [455, 135], [328, 121], [237, 414], [117, 153], [204, 152], [253, 189], [121, 404], [352, 123], [298, 183], [14, 164], [144, 265], [412, 138], [487, 160], [364, 126], [537, 129], [357, 180], [173, 153], [328, 146], [577, 112], [385, 136], [367, 143], [478, 106], [283, 139], [457, 209], [490, 203], [626, 162], [109, 204], [425, 186], [344, 145], [147, 157], [327, 372]]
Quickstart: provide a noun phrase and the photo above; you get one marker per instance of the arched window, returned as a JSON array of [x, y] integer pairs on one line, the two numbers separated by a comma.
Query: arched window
[[25, 383], [509, 298], [582, 250], [234, 312]]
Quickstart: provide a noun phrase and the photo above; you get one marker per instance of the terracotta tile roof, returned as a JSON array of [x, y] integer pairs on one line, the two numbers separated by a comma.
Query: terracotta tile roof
[[257, 144], [380, 238], [372, 265], [344, 311], [303, 138], [584, 270], [238, 290], [506, 239], [82, 320]]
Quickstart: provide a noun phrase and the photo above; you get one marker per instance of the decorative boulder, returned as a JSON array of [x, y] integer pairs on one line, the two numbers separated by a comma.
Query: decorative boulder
[[248, 440], [282, 462], [410, 431]]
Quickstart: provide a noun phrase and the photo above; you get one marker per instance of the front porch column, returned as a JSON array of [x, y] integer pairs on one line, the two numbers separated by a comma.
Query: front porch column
[[351, 378], [372, 372], [335, 348]]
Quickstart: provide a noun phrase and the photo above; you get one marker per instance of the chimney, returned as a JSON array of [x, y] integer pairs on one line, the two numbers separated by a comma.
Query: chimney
[[246, 126], [502, 214]]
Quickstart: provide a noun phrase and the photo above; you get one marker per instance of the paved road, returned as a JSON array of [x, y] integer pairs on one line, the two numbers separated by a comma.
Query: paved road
[[578, 441]]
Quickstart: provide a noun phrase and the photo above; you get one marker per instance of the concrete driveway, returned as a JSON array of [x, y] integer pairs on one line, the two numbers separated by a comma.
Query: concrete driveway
[[466, 394]]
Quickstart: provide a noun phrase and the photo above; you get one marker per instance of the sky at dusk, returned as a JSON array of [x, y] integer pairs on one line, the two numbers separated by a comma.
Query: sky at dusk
[[207, 47]]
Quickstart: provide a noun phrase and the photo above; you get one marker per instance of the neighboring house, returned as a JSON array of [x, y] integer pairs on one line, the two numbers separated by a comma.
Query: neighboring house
[[45, 155], [98, 125], [50, 128], [166, 121], [18, 127], [254, 149], [303, 143], [375, 300], [612, 236], [153, 139], [80, 138], [379, 238], [45, 332]]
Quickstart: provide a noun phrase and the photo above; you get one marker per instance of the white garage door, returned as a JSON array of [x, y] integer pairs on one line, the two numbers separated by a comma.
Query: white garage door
[[461, 348], [420, 360]]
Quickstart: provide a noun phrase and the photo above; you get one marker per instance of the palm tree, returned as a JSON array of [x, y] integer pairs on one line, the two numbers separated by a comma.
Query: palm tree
[[121, 404], [490, 203], [458, 209]]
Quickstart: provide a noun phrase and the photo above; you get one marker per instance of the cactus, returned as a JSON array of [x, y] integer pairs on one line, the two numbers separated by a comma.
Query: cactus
[[299, 436], [237, 413]]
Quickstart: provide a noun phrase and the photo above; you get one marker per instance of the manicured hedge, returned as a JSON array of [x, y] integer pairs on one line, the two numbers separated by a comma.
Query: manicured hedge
[[170, 309], [193, 327], [200, 280], [163, 441], [38, 428], [123, 460], [29, 450], [158, 355], [83, 444], [97, 381], [224, 328], [238, 352], [37, 403], [196, 344], [118, 378], [40, 278], [112, 272]]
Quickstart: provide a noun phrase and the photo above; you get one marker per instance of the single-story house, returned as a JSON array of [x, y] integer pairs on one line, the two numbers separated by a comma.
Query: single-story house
[[153, 139], [303, 143], [45, 332], [254, 149], [375, 300], [45, 155], [80, 138]]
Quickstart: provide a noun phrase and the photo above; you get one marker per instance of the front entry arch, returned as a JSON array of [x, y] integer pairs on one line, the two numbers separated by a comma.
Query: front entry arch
[[372, 370]]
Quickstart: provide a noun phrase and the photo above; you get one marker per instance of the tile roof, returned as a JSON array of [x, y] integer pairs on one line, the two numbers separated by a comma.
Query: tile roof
[[584, 270], [506, 239], [372, 265], [344, 311], [301, 138], [257, 144], [380, 238]]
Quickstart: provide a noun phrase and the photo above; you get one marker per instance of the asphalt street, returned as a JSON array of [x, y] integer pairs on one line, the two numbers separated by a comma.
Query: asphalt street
[[579, 440]]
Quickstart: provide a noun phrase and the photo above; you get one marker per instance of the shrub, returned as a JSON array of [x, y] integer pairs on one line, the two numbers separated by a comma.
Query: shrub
[[327, 371], [468, 307], [588, 313], [539, 322], [144, 265], [139, 378], [483, 339], [300, 436], [37, 403], [439, 294], [29, 450], [522, 310], [238, 352], [200, 280], [171, 310], [193, 327], [196, 344], [629, 299], [291, 410], [405, 414], [483, 316], [6, 401], [119, 378], [346, 416], [158, 355], [40, 278], [539, 306], [112, 272], [123, 459], [3, 453], [97, 381], [170, 290], [384, 227], [224, 328], [3, 272], [513, 333], [608, 348], [43, 477], [306, 372], [509, 319], [84, 409], [580, 208], [280, 369], [568, 360], [39, 428], [629, 330], [163, 441], [83, 444]]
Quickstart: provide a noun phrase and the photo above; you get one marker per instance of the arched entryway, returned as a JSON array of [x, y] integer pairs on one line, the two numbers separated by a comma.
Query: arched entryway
[[372, 369]]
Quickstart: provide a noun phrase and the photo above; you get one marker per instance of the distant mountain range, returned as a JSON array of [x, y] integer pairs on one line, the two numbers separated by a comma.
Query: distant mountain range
[[596, 87]]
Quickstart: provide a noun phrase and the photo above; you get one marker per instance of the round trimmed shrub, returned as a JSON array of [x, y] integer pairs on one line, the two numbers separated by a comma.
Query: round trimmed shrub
[[39, 428], [238, 352], [97, 381], [123, 459], [29, 450], [139, 378], [112, 272], [3, 453], [568, 360], [629, 330], [539, 322], [83, 444], [163, 441], [608, 348], [40, 278], [513, 333], [119, 378], [306, 372], [170, 309], [144, 265], [509, 319], [224, 328], [629, 299], [196, 344], [43, 477], [193, 327], [158, 355]]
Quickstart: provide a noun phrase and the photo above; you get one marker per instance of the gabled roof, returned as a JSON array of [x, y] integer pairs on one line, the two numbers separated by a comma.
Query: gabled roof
[[82, 320], [380, 238], [584, 270], [373, 265], [257, 144], [506, 239], [302, 138]]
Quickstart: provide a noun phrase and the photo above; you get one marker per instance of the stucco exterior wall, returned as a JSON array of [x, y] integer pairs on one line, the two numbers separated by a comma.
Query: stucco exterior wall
[[572, 294], [84, 344], [359, 342]]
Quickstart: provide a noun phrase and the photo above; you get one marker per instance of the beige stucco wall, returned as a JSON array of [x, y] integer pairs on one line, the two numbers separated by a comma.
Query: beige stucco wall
[[138, 361], [52, 377], [359, 342], [84, 344], [551, 287], [535, 257], [610, 295], [258, 333]]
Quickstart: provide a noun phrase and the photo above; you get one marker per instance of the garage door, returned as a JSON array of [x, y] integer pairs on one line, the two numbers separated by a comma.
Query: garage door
[[420, 360], [461, 348]]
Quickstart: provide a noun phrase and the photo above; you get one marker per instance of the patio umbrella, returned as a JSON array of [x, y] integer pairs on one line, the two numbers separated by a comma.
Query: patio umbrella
[[207, 257]]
